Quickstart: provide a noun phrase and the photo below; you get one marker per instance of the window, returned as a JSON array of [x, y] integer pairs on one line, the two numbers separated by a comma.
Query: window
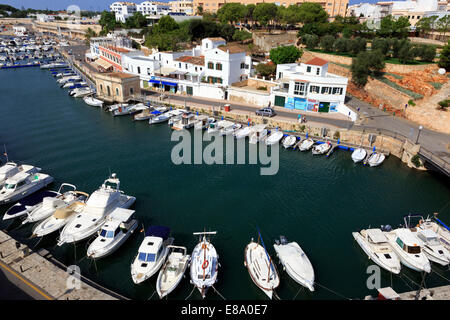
[[149, 71], [218, 66], [243, 65], [300, 88], [413, 250], [314, 89], [101, 88], [337, 90], [139, 70], [308, 69], [210, 65], [325, 90], [399, 242], [131, 91], [117, 92], [109, 90], [179, 65], [317, 71]]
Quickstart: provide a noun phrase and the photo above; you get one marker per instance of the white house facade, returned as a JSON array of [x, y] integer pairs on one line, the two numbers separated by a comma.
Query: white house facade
[[149, 8], [123, 10], [309, 87]]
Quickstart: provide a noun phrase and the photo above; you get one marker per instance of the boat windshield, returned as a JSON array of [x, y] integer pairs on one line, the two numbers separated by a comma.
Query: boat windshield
[[413, 250], [147, 257], [10, 186], [107, 234]]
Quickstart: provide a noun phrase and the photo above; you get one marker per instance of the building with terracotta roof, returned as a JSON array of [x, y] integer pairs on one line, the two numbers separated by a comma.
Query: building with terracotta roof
[[309, 87]]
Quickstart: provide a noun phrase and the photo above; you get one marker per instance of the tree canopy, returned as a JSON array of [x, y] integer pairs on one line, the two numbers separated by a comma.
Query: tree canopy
[[287, 54]]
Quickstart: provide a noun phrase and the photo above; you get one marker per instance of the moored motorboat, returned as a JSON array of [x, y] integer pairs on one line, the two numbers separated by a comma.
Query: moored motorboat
[[261, 268], [409, 249], [375, 244], [152, 253], [204, 263], [101, 202], [202, 122], [440, 228], [225, 131], [243, 132], [117, 229], [10, 169], [274, 137], [295, 262], [27, 204], [321, 148], [172, 271], [258, 134], [92, 101], [358, 155], [306, 144], [289, 141], [23, 184], [375, 159]]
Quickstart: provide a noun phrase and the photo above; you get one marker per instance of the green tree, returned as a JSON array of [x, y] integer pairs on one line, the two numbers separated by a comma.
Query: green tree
[[425, 52], [381, 44], [241, 35], [406, 52], [357, 45], [266, 70], [426, 24], [387, 26], [264, 13], [312, 13], [443, 25], [310, 41], [326, 43], [401, 27], [200, 10], [287, 54], [227, 31], [444, 57], [342, 45], [366, 63], [232, 12], [107, 21]]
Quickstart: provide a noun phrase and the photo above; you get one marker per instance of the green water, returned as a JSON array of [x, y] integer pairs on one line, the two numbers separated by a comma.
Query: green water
[[316, 201]]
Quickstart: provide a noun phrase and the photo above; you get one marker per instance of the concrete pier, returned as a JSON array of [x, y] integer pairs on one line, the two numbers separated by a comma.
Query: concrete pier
[[438, 293], [42, 277]]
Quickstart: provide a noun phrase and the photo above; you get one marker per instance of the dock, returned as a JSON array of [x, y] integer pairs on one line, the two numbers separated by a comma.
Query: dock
[[21, 66], [438, 293], [41, 276]]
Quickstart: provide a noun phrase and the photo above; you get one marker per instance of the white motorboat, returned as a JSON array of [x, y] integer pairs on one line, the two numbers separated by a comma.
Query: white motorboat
[[289, 141], [26, 205], [68, 79], [358, 155], [306, 144], [80, 92], [377, 247], [159, 116], [74, 84], [23, 184], [172, 271], [152, 253], [92, 101], [213, 127], [258, 134], [123, 110], [144, 115], [243, 132], [230, 130], [176, 116], [10, 169], [116, 106], [54, 65], [295, 262], [187, 121], [117, 229], [102, 202], [202, 122], [261, 268], [432, 247], [274, 137], [439, 228], [49, 205], [137, 108], [375, 159], [409, 249], [321, 148], [59, 219], [204, 263], [221, 125]]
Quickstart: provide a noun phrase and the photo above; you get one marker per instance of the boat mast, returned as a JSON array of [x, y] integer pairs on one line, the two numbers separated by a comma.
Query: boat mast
[[267, 254]]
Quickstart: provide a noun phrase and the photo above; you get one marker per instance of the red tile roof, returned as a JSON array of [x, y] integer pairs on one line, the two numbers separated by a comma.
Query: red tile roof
[[317, 62], [200, 60]]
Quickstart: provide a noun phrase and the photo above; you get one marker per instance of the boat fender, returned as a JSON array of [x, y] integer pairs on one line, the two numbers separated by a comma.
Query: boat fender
[[205, 264]]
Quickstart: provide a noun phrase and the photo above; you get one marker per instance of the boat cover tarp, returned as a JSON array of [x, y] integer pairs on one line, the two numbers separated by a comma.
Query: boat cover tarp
[[376, 235], [158, 231], [30, 201]]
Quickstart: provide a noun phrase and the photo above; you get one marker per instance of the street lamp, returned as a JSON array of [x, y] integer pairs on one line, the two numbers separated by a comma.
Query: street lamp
[[418, 134]]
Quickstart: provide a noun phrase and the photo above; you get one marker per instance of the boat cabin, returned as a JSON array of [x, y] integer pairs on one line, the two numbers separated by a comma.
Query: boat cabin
[[428, 236], [17, 181], [408, 242], [259, 130], [152, 247], [376, 236], [7, 170]]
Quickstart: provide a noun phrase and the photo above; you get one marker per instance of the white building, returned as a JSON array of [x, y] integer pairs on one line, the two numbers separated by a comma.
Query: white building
[[182, 6], [44, 18], [204, 71], [123, 10], [20, 30], [152, 8], [309, 87]]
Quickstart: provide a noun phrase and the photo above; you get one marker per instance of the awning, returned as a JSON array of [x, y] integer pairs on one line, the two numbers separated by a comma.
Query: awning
[[179, 72], [104, 64], [165, 70], [91, 56], [166, 83]]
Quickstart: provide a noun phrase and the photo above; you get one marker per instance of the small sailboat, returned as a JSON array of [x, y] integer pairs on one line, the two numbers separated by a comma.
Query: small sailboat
[[243, 132], [306, 144], [289, 141], [375, 244], [274, 137], [117, 229], [409, 249], [375, 159], [358, 155], [152, 253], [295, 262], [261, 268], [173, 271], [204, 263], [92, 101], [321, 148]]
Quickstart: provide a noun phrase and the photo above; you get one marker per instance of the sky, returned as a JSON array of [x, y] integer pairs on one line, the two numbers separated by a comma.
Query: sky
[[93, 5]]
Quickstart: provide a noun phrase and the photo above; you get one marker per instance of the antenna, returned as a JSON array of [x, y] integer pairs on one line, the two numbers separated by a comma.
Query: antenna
[[6, 154]]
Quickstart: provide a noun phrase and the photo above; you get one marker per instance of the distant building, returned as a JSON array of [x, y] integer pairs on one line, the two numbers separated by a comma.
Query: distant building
[[116, 86], [123, 10], [153, 8], [20, 30], [309, 87], [182, 6], [44, 18], [108, 51]]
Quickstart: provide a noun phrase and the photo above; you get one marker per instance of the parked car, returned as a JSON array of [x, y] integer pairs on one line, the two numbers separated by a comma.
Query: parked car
[[269, 112]]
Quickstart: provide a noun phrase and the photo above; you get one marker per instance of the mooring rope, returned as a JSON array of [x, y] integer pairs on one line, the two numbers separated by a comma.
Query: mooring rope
[[301, 288], [275, 295], [332, 291], [218, 293], [152, 295], [441, 276], [190, 293]]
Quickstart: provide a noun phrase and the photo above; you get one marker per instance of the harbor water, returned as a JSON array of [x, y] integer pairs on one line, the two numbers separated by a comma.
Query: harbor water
[[313, 200]]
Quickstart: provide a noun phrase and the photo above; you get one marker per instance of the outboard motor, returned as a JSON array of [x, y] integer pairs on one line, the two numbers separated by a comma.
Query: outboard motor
[[386, 228]]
